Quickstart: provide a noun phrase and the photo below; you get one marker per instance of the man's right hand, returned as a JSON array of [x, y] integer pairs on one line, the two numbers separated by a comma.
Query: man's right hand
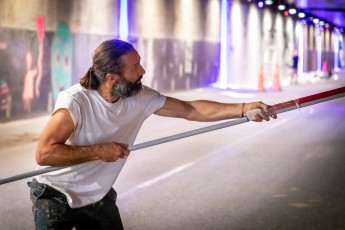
[[111, 152]]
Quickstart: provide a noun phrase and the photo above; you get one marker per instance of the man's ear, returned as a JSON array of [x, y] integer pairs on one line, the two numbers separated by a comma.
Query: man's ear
[[110, 77]]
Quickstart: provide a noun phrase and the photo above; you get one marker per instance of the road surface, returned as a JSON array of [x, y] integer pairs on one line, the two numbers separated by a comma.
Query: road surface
[[288, 173]]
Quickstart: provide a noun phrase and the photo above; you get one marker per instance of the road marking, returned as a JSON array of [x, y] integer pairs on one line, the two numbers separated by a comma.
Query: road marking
[[181, 168], [159, 178]]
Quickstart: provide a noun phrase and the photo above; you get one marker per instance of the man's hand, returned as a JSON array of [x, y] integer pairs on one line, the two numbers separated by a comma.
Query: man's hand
[[258, 111], [111, 152]]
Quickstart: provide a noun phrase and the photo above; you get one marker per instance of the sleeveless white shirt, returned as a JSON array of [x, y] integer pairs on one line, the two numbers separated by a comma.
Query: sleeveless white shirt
[[97, 121]]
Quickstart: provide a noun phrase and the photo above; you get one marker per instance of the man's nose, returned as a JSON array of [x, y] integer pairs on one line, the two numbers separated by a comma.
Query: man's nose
[[142, 71]]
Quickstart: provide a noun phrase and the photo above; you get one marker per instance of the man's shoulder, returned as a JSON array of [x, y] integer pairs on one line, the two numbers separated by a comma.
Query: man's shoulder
[[148, 89], [76, 91]]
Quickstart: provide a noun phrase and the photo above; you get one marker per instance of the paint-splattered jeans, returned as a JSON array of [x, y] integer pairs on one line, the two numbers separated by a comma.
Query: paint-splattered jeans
[[51, 211]]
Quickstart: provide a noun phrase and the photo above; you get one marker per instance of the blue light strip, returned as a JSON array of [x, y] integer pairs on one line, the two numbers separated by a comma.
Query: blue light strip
[[318, 49], [301, 50], [224, 57], [336, 51], [123, 23]]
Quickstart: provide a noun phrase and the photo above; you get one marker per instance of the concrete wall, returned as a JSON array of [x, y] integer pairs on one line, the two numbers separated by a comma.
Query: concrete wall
[[83, 16]]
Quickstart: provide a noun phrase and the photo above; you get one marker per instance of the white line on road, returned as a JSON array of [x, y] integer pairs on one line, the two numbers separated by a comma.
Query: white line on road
[[159, 178], [181, 168]]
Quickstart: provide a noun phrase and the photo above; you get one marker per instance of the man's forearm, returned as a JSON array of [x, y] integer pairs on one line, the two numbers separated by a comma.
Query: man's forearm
[[66, 155], [215, 111]]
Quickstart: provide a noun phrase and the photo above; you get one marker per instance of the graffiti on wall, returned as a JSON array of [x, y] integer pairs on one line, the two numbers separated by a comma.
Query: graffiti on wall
[[34, 67], [33, 74], [182, 64], [5, 94], [42, 63], [61, 59]]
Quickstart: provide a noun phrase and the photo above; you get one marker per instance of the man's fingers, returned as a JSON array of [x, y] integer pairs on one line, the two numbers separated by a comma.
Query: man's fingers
[[253, 115], [124, 148], [259, 118], [126, 152], [259, 115], [123, 145], [274, 116]]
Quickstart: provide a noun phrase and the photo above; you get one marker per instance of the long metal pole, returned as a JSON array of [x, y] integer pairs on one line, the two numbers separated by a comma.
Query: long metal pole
[[277, 108]]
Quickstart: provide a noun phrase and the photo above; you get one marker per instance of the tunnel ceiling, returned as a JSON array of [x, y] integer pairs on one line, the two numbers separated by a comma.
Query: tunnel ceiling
[[332, 11]]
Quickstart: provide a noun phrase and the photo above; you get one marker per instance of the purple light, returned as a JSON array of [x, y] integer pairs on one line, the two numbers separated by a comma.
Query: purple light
[[301, 48], [123, 27], [222, 81], [260, 4], [336, 51], [318, 49]]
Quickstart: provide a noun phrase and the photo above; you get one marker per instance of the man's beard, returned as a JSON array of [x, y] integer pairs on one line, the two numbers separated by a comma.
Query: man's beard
[[124, 89]]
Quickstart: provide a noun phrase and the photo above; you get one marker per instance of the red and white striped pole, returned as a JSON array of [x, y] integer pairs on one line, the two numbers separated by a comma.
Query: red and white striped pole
[[277, 108], [309, 100]]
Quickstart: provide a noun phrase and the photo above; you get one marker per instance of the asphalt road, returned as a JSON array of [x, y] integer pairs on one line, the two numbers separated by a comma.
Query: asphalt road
[[288, 173]]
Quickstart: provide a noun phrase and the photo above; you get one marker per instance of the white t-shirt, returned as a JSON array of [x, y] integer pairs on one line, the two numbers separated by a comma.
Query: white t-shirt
[[97, 121]]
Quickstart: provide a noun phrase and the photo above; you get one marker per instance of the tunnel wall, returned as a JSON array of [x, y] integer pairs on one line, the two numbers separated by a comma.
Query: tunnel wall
[[46, 45]]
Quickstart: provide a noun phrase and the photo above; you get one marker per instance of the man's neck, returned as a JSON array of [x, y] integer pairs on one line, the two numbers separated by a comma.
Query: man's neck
[[105, 93]]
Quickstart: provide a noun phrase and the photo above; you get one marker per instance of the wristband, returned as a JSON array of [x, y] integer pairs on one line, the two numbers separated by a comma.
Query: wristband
[[242, 113]]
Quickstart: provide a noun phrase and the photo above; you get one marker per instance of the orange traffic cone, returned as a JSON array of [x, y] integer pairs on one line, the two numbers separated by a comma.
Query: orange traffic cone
[[261, 87], [276, 80]]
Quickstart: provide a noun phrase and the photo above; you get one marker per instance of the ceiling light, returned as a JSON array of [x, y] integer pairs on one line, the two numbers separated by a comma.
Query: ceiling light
[[292, 11], [301, 15], [281, 7]]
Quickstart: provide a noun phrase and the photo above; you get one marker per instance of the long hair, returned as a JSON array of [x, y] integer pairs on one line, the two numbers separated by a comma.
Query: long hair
[[106, 59]]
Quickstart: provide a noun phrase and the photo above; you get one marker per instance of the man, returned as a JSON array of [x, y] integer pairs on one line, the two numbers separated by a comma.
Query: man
[[90, 129], [294, 74]]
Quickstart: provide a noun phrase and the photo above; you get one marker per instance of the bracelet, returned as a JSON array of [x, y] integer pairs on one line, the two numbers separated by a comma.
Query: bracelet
[[242, 114]]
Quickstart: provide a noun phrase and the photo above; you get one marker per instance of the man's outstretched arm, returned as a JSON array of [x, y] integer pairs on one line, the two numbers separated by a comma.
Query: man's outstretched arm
[[203, 110]]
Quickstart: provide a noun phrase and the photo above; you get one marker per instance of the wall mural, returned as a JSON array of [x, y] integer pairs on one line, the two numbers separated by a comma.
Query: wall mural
[[36, 65], [61, 59], [5, 93], [26, 71], [180, 65], [33, 74]]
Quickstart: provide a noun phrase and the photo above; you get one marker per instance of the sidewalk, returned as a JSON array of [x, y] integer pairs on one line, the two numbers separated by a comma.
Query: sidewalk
[[17, 132]]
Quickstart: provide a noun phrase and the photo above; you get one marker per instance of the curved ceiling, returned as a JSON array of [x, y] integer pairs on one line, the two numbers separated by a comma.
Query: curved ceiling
[[331, 11]]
